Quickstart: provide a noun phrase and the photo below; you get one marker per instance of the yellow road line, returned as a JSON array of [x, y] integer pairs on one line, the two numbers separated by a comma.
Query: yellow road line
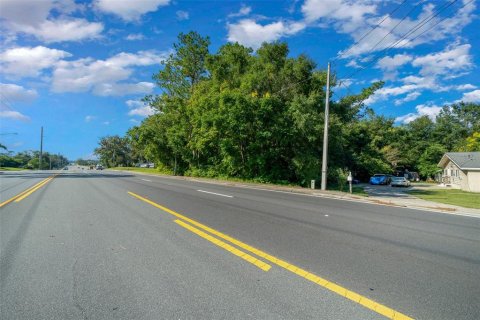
[[245, 256], [22, 193], [362, 300], [44, 182]]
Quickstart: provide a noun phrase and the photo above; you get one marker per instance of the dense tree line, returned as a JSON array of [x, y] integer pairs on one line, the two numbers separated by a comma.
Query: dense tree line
[[259, 115], [31, 160]]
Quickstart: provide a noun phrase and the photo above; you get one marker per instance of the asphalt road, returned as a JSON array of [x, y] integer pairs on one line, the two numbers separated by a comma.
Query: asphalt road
[[80, 246]]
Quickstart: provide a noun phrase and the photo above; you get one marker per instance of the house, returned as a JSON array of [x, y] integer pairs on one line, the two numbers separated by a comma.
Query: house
[[461, 170]]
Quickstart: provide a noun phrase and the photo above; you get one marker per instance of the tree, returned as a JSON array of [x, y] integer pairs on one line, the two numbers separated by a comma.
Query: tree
[[427, 163], [114, 151]]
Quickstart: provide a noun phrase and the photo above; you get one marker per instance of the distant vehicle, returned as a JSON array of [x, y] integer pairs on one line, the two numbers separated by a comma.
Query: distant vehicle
[[378, 179], [99, 167], [413, 176], [400, 182], [66, 168]]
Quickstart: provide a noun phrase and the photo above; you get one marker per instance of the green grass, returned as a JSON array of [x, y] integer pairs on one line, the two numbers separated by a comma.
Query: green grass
[[356, 190], [450, 196], [144, 170], [11, 169]]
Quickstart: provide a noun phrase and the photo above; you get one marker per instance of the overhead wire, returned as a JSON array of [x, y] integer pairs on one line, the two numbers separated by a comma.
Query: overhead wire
[[370, 31], [403, 37]]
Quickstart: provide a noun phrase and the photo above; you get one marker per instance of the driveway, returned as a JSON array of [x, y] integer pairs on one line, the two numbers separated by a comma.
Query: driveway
[[398, 196]]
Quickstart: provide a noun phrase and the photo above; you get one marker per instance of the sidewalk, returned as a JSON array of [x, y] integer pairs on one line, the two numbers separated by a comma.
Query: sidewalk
[[387, 196]]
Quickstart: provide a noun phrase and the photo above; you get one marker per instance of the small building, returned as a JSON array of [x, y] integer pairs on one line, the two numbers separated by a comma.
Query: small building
[[461, 170]]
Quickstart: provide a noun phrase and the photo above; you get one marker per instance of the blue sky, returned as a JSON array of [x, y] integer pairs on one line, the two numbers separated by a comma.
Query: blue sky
[[79, 68]]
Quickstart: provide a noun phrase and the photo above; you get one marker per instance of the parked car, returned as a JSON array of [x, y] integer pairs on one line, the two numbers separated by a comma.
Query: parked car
[[378, 179], [99, 167], [413, 176], [400, 182]]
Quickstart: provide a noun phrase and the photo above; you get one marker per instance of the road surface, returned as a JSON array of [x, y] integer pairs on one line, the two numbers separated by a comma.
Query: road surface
[[108, 245]]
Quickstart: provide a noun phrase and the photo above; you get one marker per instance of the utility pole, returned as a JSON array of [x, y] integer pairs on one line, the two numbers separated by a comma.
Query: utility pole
[[41, 149], [325, 133]]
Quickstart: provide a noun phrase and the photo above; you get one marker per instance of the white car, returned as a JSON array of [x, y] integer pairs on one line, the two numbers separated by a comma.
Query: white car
[[400, 182]]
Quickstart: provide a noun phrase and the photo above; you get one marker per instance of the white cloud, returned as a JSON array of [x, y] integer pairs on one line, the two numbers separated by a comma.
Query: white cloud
[[390, 65], [134, 37], [29, 62], [15, 93], [14, 115], [139, 108], [357, 27], [106, 123], [422, 110], [336, 9], [454, 59], [182, 15], [249, 33], [64, 30], [244, 11], [103, 76], [35, 18], [129, 10], [122, 89], [467, 86], [472, 96], [409, 97], [89, 118]]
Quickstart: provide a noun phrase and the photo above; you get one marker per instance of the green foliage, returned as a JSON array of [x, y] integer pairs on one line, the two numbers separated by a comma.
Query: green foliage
[[427, 164], [259, 116], [114, 151], [30, 160]]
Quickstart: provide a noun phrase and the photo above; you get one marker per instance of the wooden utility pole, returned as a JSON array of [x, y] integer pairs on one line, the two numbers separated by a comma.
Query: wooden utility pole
[[325, 133], [41, 149]]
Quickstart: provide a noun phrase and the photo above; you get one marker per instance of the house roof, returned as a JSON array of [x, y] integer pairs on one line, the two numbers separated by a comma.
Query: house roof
[[463, 160]]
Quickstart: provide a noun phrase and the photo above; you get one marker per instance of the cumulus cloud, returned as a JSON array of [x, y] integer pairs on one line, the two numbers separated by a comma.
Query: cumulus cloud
[[422, 110], [244, 11], [454, 59], [358, 18], [182, 15], [103, 76], [139, 108], [252, 34], [15, 93], [35, 18], [353, 11], [472, 96], [13, 115], [390, 65], [134, 37], [29, 61], [129, 10], [122, 89]]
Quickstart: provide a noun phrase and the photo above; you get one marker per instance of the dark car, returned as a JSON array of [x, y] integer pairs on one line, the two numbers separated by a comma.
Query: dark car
[[380, 179]]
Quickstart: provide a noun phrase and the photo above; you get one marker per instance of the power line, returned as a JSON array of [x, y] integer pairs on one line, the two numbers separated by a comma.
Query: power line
[[411, 31], [371, 30], [395, 27], [439, 21]]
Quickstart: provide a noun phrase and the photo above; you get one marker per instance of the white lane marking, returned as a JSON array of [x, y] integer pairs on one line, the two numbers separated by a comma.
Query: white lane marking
[[217, 194], [146, 180]]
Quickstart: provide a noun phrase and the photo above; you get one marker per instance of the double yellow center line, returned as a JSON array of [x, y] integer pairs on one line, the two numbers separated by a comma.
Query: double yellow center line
[[22, 195], [344, 292]]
